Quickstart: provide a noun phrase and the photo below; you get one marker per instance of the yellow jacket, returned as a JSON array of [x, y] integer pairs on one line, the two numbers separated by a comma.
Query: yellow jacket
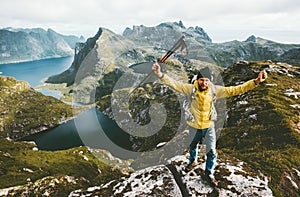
[[201, 105]]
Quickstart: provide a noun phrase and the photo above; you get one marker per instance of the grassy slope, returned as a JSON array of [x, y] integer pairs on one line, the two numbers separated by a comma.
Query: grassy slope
[[77, 162], [269, 143], [23, 109]]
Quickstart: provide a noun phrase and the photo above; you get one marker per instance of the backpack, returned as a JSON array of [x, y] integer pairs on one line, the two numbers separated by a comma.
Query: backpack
[[187, 103]]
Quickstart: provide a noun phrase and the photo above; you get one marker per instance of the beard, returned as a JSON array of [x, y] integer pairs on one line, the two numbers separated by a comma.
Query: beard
[[203, 88]]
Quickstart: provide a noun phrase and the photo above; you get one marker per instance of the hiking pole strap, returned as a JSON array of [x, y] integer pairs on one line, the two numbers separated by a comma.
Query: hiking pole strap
[[179, 44]]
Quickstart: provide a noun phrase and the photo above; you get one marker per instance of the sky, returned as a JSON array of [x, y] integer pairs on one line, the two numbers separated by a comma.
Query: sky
[[222, 20]]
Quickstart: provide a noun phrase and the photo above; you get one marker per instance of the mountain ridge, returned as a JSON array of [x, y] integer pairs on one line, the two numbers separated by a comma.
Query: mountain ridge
[[146, 44], [21, 45]]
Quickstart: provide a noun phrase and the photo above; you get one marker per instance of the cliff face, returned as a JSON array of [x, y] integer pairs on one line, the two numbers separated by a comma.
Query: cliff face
[[18, 45], [82, 50], [99, 56]]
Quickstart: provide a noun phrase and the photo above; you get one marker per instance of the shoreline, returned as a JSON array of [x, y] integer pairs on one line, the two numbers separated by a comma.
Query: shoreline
[[66, 97], [32, 60], [42, 129]]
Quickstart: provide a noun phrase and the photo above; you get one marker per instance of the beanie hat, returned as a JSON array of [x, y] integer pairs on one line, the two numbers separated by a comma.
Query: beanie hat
[[205, 73]]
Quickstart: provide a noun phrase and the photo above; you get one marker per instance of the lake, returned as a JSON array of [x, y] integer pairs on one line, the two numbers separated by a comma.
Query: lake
[[90, 128]]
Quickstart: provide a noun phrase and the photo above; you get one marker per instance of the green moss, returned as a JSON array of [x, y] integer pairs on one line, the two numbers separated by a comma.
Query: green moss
[[17, 156], [7, 81], [269, 144], [24, 110]]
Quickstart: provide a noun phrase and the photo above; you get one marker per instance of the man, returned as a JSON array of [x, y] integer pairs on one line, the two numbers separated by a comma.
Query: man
[[202, 111]]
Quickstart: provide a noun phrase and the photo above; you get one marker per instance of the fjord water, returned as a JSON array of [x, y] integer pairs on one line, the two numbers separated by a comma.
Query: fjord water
[[34, 72], [91, 127]]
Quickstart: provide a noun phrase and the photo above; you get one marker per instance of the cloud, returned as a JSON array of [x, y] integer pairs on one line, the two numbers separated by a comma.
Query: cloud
[[85, 17]]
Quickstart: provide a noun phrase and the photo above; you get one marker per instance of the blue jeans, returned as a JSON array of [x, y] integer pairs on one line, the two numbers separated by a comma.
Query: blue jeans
[[208, 137]]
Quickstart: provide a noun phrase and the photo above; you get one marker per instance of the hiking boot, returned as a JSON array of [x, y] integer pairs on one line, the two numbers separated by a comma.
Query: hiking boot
[[190, 166], [212, 181]]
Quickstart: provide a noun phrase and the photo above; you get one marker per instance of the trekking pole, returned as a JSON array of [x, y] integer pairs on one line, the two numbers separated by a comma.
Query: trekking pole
[[179, 44]]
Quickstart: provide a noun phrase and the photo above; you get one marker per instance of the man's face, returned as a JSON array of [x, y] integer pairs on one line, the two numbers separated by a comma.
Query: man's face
[[203, 83]]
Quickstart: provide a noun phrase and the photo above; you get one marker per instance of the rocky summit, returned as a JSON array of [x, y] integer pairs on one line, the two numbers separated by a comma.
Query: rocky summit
[[235, 179]]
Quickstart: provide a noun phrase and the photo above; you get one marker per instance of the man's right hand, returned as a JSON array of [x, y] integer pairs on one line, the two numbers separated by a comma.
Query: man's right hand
[[157, 70], [262, 76]]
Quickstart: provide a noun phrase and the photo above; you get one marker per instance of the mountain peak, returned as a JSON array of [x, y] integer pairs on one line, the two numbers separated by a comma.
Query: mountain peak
[[172, 24], [181, 24], [258, 40], [50, 30], [251, 38], [165, 34]]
